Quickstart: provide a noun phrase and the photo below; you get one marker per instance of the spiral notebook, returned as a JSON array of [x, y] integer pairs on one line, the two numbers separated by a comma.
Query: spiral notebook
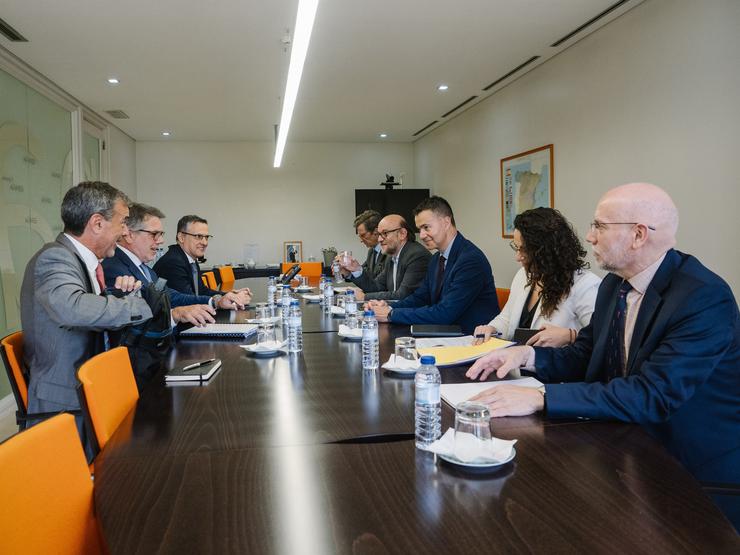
[[221, 330]]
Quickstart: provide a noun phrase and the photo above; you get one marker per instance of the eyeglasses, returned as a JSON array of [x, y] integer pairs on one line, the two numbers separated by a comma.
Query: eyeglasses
[[365, 235], [384, 234], [515, 247], [601, 226], [156, 235], [198, 236]]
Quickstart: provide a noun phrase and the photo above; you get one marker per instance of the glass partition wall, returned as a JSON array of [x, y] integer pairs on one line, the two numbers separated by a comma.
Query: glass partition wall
[[35, 172]]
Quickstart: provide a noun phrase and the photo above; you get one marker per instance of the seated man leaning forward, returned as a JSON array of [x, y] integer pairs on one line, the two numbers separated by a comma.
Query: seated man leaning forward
[[138, 246], [405, 267], [458, 287], [662, 349], [179, 265]]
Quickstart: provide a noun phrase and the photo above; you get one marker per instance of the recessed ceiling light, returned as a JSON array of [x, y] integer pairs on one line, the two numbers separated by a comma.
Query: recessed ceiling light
[[442, 87], [166, 133], [383, 135], [113, 80]]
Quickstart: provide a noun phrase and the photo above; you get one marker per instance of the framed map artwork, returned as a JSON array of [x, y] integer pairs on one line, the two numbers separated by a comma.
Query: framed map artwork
[[526, 182]]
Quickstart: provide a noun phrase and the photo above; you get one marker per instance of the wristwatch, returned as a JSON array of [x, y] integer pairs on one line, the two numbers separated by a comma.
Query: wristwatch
[[389, 315], [216, 299]]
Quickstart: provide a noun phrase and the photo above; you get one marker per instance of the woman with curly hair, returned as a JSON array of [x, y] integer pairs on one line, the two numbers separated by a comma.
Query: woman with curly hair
[[553, 291]]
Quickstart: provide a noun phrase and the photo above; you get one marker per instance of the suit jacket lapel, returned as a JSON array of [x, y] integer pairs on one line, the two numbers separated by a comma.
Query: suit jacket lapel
[[450, 264], [596, 365], [133, 268]]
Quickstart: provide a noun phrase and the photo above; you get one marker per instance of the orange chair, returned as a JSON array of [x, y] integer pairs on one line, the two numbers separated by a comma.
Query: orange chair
[[308, 269], [209, 279], [107, 393], [47, 492], [11, 348], [227, 278], [503, 296]]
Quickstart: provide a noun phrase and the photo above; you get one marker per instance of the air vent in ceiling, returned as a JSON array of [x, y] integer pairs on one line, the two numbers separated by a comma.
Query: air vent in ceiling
[[463, 103], [424, 128], [117, 114], [512, 72], [577, 30], [11, 34]]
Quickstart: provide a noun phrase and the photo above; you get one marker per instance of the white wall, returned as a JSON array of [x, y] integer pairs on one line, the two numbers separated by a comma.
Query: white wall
[[122, 150], [245, 200], [653, 96]]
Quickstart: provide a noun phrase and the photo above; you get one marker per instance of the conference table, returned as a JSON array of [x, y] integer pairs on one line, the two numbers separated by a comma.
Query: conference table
[[309, 453]]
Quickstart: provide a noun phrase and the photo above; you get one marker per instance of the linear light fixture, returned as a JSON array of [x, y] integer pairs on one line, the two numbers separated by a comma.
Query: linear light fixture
[[301, 38]]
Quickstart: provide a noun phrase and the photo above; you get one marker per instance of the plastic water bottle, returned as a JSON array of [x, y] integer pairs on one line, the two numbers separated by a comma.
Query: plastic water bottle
[[322, 284], [428, 417], [370, 359], [328, 297], [271, 291], [295, 328], [285, 301], [350, 310]]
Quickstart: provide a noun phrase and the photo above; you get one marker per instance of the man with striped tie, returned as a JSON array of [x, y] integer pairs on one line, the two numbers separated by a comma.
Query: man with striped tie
[[662, 349]]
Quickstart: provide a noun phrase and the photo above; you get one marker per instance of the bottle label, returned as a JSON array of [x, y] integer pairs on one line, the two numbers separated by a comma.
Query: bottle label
[[369, 334], [428, 394], [294, 321]]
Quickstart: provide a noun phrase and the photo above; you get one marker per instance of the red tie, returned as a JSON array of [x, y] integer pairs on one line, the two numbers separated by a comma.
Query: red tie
[[100, 277]]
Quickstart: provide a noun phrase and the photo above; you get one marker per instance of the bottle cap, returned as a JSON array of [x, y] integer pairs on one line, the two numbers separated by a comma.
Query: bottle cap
[[294, 302], [369, 313], [428, 360]]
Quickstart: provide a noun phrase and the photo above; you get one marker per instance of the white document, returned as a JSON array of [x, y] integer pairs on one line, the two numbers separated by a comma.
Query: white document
[[221, 330], [428, 342], [456, 393]]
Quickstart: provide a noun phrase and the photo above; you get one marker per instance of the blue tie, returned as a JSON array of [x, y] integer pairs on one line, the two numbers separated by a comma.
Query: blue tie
[[147, 273], [194, 266], [615, 363]]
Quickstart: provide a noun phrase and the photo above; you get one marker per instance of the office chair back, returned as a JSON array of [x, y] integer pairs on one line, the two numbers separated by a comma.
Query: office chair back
[[210, 280], [12, 353], [47, 493], [503, 296], [227, 278], [308, 269], [107, 393]]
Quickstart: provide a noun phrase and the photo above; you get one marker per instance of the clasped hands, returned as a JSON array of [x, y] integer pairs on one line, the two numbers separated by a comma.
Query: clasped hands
[[504, 399], [202, 314]]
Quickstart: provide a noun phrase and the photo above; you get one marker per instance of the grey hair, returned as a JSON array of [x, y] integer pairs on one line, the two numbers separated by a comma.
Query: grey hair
[[81, 202], [371, 219], [138, 212]]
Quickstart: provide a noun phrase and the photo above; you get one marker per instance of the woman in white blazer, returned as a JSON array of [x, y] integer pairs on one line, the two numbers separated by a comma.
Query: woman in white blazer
[[553, 291]]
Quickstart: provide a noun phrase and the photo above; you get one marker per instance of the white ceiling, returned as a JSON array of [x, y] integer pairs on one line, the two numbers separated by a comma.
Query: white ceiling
[[215, 69]]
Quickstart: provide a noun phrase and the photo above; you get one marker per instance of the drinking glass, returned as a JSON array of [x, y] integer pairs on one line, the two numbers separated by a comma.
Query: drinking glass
[[304, 281], [346, 258], [266, 334], [341, 301], [262, 311], [406, 348], [472, 430]]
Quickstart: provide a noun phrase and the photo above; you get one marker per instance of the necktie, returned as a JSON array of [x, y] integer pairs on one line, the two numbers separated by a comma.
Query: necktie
[[440, 276], [147, 274], [194, 266], [100, 277], [395, 270], [615, 359]]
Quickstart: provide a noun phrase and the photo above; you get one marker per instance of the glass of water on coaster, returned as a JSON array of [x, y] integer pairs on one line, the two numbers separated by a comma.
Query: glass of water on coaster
[[266, 334], [406, 348], [472, 430], [262, 311]]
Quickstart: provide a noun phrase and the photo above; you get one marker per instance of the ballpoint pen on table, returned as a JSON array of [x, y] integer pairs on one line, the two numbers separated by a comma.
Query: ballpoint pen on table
[[198, 364]]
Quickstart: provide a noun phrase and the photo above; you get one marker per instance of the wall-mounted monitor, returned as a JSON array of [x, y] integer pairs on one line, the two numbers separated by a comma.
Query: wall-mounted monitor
[[400, 201]]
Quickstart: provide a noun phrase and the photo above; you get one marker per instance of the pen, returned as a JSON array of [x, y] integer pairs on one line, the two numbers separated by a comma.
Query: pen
[[198, 364]]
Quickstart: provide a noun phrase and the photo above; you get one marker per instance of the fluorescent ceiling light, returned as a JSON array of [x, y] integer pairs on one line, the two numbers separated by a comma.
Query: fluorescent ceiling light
[[301, 37], [113, 80], [383, 135], [166, 133], [442, 87]]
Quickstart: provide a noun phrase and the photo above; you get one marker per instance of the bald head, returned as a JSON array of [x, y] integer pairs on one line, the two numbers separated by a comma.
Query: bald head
[[635, 225], [393, 233]]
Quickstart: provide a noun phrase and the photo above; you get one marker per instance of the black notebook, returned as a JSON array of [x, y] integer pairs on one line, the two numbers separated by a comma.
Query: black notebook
[[522, 335], [221, 330], [194, 371], [434, 330]]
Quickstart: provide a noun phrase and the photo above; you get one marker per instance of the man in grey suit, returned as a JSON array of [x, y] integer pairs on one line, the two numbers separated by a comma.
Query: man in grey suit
[[405, 266], [63, 313], [366, 225]]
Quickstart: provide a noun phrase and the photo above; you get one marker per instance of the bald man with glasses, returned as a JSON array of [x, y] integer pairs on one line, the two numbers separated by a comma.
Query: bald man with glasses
[[405, 267]]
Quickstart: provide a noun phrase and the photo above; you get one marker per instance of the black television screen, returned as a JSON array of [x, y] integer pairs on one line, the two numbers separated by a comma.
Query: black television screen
[[400, 201]]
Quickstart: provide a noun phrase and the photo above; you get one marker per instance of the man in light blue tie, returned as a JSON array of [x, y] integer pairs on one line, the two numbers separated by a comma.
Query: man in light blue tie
[[138, 246]]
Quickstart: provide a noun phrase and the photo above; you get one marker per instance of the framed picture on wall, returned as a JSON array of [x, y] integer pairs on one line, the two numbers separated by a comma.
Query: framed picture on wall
[[527, 181], [292, 251]]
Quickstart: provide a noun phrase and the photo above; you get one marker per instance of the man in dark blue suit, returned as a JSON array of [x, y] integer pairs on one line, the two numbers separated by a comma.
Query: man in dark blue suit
[[662, 349], [138, 246], [458, 287]]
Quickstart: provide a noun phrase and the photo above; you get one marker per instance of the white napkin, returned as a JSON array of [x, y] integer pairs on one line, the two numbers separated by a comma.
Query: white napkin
[[312, 298], [345, 331], [272, 319], [338, 310], [267, 347], [468, 449], [401, 364]]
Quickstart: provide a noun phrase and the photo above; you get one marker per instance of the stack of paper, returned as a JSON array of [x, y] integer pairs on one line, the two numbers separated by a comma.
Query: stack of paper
[[451, 351], [456, 393]]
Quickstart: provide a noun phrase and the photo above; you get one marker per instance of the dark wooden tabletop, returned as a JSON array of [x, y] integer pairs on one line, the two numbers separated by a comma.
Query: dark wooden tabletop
[[309, 453]]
